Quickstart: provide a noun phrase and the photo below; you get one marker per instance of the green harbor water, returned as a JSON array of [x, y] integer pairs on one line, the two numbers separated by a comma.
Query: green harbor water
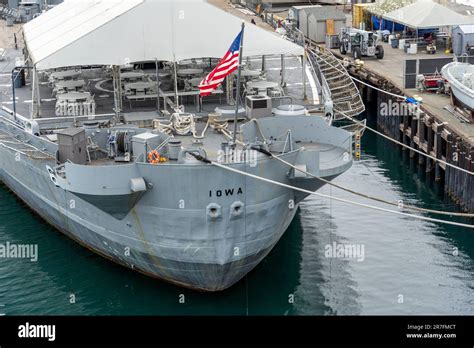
[[408, 266]]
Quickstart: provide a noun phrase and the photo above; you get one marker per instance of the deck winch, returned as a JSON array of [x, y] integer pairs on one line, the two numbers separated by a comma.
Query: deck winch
[[118, 146]]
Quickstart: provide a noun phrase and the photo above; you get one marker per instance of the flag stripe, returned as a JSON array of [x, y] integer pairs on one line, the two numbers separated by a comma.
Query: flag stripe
[[226, 66], [221, 69]]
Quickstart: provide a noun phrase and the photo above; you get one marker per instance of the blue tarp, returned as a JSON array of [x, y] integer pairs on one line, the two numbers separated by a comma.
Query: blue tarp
[[386, 25]]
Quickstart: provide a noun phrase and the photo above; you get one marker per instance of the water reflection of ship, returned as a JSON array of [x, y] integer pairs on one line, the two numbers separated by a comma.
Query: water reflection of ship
[[326, 283], [315, 283], [272, 287], [405, 172]]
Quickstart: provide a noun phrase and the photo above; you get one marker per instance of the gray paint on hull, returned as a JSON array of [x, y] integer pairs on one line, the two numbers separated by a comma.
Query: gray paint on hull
[[200, 276], [183, 246]]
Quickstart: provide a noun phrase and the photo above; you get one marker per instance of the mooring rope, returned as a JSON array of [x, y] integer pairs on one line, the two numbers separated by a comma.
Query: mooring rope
[[377, 199], [205, 160], [406, 146], [379, 89], [363, 195]]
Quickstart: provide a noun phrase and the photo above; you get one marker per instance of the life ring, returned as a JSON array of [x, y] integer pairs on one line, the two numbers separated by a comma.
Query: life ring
[[153, 157]]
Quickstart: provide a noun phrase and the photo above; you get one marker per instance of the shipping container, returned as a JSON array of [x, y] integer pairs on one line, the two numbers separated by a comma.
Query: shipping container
[[359, 14]]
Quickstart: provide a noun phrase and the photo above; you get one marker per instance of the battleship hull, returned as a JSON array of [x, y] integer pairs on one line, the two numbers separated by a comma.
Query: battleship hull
[[198, 276], [196, 225]]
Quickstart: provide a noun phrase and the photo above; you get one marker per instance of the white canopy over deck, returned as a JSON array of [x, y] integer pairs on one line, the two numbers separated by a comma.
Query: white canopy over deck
[[115, 32], [426, 14]]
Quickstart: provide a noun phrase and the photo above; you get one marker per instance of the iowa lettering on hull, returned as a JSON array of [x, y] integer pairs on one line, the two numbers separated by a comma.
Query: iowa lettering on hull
[[226, 192]]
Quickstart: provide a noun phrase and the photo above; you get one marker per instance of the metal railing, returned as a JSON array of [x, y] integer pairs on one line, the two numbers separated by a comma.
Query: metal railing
[[21, 122], [464, 58], [6, 12]]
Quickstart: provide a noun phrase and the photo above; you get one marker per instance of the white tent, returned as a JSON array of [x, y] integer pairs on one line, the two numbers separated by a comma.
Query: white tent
[[427, 14], [114, 32]]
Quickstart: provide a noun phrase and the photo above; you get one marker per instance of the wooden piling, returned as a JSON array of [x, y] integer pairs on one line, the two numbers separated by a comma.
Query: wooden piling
[[428, 134]]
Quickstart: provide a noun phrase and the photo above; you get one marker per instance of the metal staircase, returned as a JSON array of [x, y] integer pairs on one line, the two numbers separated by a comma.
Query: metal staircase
[[341, 88], [6, 12]]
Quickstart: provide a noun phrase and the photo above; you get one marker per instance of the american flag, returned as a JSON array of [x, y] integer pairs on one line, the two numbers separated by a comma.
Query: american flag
[[227, 65]]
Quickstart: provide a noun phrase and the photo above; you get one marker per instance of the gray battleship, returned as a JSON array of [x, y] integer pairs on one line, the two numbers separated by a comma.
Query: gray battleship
[[125, 167]]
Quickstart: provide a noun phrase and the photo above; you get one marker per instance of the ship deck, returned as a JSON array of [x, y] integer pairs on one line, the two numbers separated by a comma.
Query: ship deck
[[142, 111], [329, 156]]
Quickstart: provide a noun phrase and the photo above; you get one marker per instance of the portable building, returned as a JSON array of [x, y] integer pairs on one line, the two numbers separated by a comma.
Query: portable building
[[463, 39], [317, 21]]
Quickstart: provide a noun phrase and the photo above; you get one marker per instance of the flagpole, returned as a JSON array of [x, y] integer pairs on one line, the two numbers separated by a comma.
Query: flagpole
[[237, 97]]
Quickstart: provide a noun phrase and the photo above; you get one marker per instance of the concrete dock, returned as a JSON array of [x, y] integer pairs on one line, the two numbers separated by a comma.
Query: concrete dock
[[391, 68], [7, 35], [240, 12]]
